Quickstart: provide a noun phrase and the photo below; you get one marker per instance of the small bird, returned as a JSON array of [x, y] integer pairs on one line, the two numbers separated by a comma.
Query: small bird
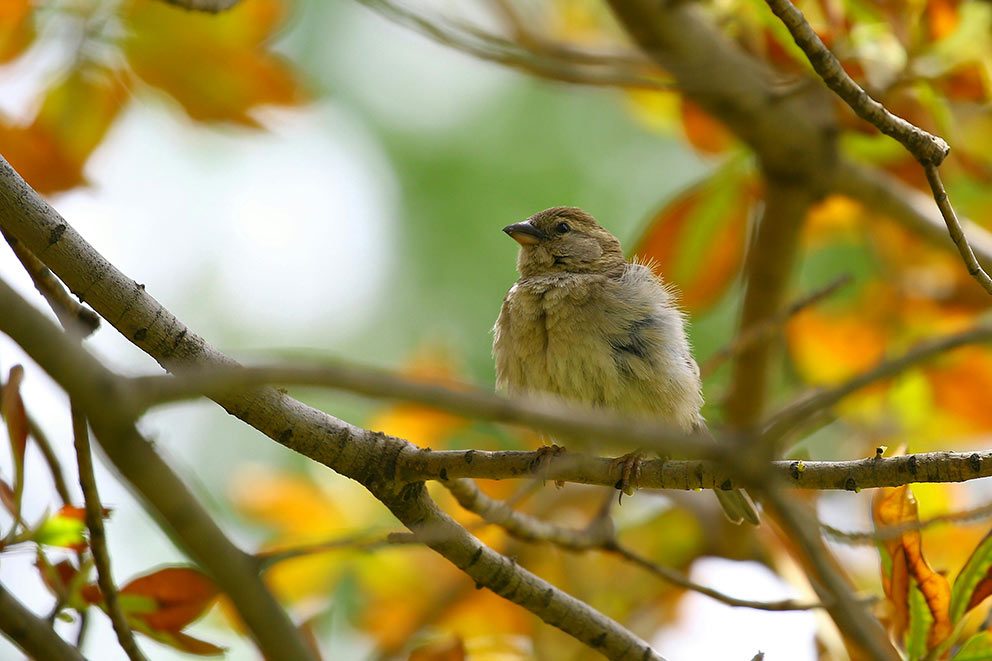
[[584, 324]]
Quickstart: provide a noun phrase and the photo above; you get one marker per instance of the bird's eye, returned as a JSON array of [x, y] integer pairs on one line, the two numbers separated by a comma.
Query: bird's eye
[[561, 228]]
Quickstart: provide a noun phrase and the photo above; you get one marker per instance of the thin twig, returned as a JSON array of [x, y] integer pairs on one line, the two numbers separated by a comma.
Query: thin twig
[[207, 6], [51, 459], [925, 147], [761, 330], [975, 269], [68, 310], [928, 149], [104, 397], [539, 58], [357, 542], [681, 580], [791, 416], [831, 585], [599, 536], [564, 419], [871, 537], [98, 536]]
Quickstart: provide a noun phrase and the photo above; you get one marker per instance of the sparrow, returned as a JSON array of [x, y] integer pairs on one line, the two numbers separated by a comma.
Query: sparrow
[[585, 325]]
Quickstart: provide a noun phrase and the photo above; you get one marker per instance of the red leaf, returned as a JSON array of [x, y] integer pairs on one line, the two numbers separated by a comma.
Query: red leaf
[[698, 238], [180, 595]]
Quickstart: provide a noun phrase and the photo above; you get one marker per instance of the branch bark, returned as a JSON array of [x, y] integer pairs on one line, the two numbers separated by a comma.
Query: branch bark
[[31, 633], [93, 386], [364, 456]]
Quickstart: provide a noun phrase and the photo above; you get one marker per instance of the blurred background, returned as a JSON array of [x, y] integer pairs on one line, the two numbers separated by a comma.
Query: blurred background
[[308, 180]]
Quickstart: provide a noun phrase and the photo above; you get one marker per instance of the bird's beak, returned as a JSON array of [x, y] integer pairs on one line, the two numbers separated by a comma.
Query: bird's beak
[[524, 233]]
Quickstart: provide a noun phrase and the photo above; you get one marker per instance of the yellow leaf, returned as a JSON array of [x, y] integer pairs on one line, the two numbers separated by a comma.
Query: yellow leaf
[[216, 66], [417, 423]]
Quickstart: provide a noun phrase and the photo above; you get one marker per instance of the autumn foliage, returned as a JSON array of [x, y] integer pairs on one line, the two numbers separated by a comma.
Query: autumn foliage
[[327, 545]]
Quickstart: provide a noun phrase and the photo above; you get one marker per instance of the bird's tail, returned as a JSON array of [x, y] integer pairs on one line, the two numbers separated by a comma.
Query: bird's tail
[[738, 506]]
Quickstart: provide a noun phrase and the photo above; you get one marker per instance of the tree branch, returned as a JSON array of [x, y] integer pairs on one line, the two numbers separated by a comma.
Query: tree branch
[[907, 206], [954, 227], [791, 416], [768, 271], [70, 313], [93, 386], [31, 633], [364, 456], [833, 588], [98, 536], [208, 6], [792, 134], [534, 56], [851, 475], [599, 536], [926, 148]]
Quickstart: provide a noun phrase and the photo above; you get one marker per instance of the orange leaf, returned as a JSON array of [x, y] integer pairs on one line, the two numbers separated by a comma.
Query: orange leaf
[[16, 28], [703, 132], [421, 424], [79, 513], [942, 17], [698, 238], [828, 347], [215, 66], [180, 596], [73, 119], [894, 506]]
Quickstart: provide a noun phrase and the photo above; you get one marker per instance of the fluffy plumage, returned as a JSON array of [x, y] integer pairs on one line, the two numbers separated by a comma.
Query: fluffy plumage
[[585, 325]]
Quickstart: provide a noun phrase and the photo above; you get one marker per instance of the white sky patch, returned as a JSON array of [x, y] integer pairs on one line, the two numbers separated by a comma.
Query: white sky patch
[[283, 233], [708, 629]]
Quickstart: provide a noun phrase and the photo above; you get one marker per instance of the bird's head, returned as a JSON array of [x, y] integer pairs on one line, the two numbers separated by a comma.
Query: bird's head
[[565, 240]]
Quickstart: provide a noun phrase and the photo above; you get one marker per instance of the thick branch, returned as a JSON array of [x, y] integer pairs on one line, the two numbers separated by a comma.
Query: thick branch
[[833, 588], [31, 633], [768, 272], [94, 387], [791, 133], [853, 475], [369, 458]]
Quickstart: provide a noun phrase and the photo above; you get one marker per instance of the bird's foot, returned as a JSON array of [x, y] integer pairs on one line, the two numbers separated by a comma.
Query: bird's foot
[[630, 472], [542, 462]]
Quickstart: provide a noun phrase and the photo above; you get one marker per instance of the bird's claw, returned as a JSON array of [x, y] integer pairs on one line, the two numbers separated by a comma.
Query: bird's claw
[[630, 472], [542, 463]]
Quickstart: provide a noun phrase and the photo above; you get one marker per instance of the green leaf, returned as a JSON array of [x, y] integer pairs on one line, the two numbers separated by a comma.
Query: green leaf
[[976, 648], [920, 621], [973, 583], [60, 530]]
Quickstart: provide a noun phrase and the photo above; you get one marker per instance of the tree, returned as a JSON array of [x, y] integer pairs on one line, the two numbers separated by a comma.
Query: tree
[[814, 176]]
